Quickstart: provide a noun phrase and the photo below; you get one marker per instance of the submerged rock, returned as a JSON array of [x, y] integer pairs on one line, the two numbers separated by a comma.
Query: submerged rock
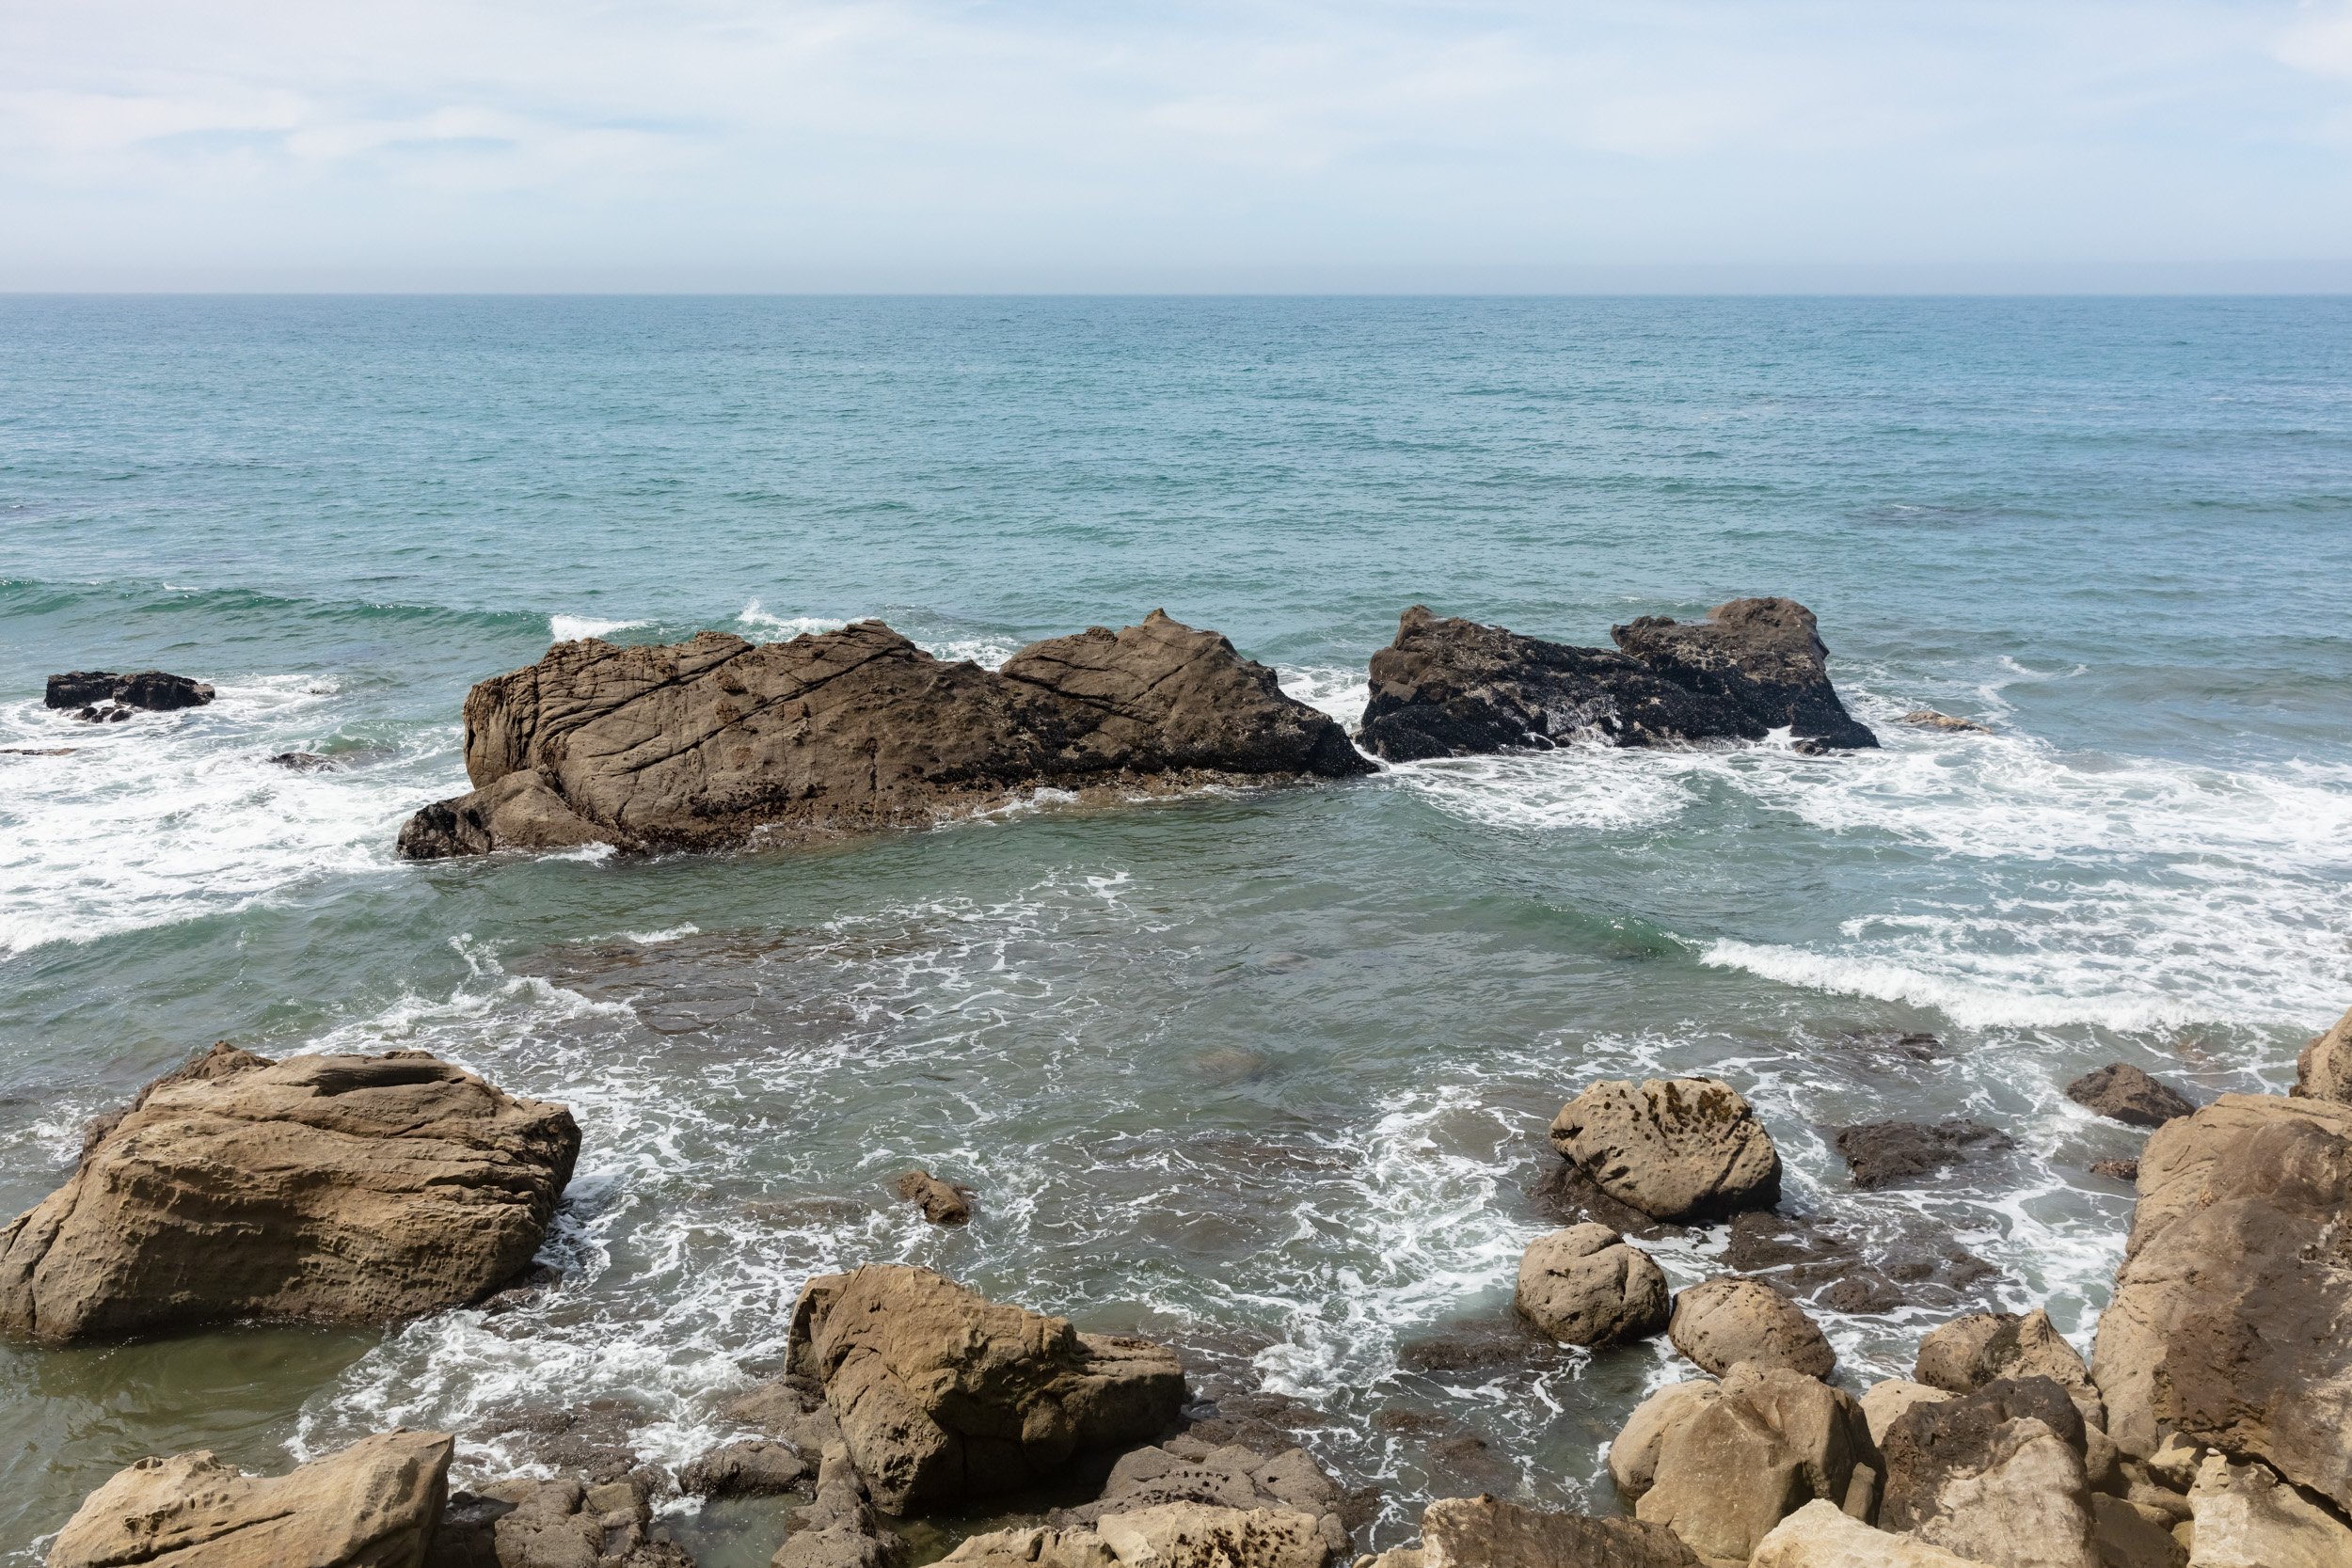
[[1585, 1286], [1930, 718], [941, 1202], [1674, 1149], [1724, 1321], [2127, 1094], [373, 1505], [700, 744], [1882, 1153], [942, 1396], [1452, 688], [1816, 1263], [328, 1188], [2323, 1071], [151, 689]]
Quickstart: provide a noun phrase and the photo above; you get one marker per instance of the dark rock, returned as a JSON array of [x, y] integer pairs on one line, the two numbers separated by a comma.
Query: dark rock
[[941, 1203], [839, 1529], [1826, 1267], [700, 744], [595, 1443], [1507, 1341], [754, 1467], [151, 689], [1565, 1192], [2125, 1093], [1451, 687], [2120, 1170], [1882, 1153], [304, 761]]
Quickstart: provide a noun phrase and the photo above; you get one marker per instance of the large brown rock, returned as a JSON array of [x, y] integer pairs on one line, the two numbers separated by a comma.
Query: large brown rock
[[1450, 688], [371, 1505], [1722, 1322], [1190, 1469], [1586, 1286], [1167, 1535], [330, 1189], [1486, 1532], [1770, 1442], [2324, 1069], [702, 743], [1673, 1147], [2127, 1094], [2232, 1320], [2247, 1517], [1633, 1452], [1996, 1476], [1822, 1535], [942, 1396], [1979, 1348]]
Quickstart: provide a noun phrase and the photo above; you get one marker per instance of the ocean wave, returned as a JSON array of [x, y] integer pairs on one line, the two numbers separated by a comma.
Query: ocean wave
[[570, 628]]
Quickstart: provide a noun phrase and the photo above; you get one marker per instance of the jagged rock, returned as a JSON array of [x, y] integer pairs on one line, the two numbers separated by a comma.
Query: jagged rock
[[838, 1528], [1996, 1475], [1970, 1352], [1883, 1401], [1585, 1286], [2323, 1071], [1565, 1193], [1487, 1532], [1881, 1153], [1822, 1535], [753, 1466], [2247, 1517], [1929, 718], [2116, 1170], [1723, 1321], [595, 1443], [941, 1203], [942, 1396], [1674, 1147], [2232, 1320], [1186, 1469], [1451, 688], [1633, 1453], [1770, 1442], [302, 762], [790, 1408], [330, 1189], [1812, 1262], [2126, 1094], [699, 744], [2125, 1534], [1172, 1535], [152, 689], [528, 1523], [371, 1505]]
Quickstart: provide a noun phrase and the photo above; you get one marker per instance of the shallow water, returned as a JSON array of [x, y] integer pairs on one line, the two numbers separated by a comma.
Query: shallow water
[[1262, 1073]]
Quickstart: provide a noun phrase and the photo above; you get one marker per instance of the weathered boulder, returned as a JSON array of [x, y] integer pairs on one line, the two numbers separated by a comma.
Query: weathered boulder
[[1451, 688], [1884, 1402], [942, 1396], [330, 1189], [1586, 1286], [1882, 1153], [2247, 1517], [1770, 1442], [700, 744], [1719, 1321], [941, 1202], [152, 689], [2323, 1071], [371, 1505], [2232, 1320], [748, 1468], [528, 1523], [2127, 1094], [1822, 1535], [1970, 1352], [1189, 1469], [1996, 1475], [1673, 1147], [1486, 1532], [2116, 1170], [837, 1530], [1633, 1453], [1171, 1535]]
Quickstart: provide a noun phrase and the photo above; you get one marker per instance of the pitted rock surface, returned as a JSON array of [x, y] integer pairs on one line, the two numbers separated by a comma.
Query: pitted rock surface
[[1675, 1148]]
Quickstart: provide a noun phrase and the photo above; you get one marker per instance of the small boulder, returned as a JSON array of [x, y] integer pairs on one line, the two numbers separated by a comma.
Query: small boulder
[[1970, 1352], [1822, 1535], [1883, 1153], [941, 1203], [1996, 1476], [1675, 1148], [943, 1397], [837, 1530], [2247, 1517], [1172, 1535], [371, 1505], [1771, 1442], [1930, 718], [151, 689], [2116, 1170], [1586, 1286], [2126, 1094], [1633, 1453], [2323, 1071], [1727, 1320], [751, 1467]]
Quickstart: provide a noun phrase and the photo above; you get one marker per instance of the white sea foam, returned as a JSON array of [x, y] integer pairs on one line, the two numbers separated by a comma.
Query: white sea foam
[[767, 624], [668, 933], [568, 628], [1341, 692]]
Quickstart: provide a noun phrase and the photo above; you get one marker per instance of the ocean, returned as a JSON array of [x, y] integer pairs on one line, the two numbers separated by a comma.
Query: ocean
[[1261, 1073]]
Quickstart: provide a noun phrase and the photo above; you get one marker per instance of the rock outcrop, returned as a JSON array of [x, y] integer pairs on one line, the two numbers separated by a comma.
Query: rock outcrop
[[1586, 1286], [1188, 1470], [2232, 1320], [701, 744], [1996, 1476], [1884, 1153], [326, 1189], [2127, 1094], [749, 1468], [1822, 1535], [2247, 1517], [1172, 1535], [373, 1505], [1971, 1352], [942, 1396], [837, 1530], [1486, 1532], [528, 1523], [1675, 1148], [1451, 687], [1719, 1322], [1633, 1453], [1770, 1442], [151, 689], [2323, 1071]]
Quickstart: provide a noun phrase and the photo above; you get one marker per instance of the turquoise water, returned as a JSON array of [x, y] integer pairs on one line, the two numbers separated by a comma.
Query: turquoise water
[[1260, 1073]]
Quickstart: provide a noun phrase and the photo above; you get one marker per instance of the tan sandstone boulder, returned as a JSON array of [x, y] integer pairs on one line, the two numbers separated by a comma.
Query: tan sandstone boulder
[[1633, 1453], [1189, 1469], [1996, 1476], [700, 744], [1884, 1402], [330, 1189], [1772, 1441], [1487, 1532], [2231, 1322], [837, 1530], [1171, 1535], [1586, 1286], [371, 1505], [1719, 1321], [2247, 1517], [2324, 1069], [1675, 1148], [942, 1396], [1970, 1352], [1821, 1535]]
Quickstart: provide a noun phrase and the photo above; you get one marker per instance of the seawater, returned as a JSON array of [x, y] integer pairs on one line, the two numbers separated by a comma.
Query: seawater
[[1261, 1073]]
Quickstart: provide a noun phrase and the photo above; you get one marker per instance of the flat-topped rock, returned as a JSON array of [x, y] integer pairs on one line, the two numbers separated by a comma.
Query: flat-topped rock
[[1675, 1148], [326, 1189], [2130, 1095], [701, 744], [1452, 688]]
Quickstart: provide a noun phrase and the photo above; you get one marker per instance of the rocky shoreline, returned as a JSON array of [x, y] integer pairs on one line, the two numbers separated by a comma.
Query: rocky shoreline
[[2210, 1428]]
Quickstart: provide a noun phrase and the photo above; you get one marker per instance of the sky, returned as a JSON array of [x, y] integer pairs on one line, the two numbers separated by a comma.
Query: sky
[[1286, 144]]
